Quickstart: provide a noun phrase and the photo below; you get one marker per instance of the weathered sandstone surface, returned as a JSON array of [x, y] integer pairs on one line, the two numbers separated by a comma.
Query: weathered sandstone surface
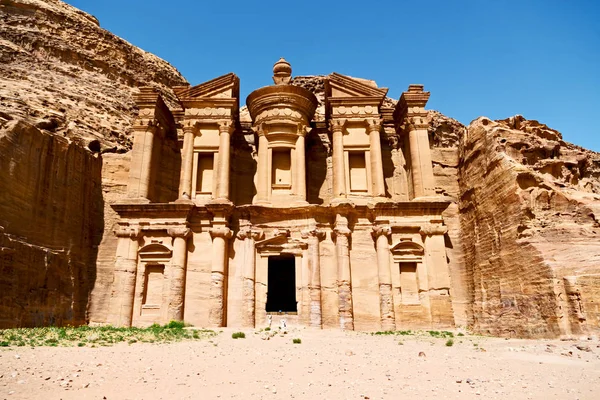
[[50, 226], [66, 88], [60, 71], [528, 211]]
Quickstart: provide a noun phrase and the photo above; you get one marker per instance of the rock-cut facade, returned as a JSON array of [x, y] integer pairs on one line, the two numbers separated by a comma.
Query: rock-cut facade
[[317, 209]]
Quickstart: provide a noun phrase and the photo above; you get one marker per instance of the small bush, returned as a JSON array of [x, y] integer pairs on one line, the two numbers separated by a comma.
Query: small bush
[[268, 328], [297, 341], [449, 342], [401, 343], [460, 334], [238, 335], [175, 325]]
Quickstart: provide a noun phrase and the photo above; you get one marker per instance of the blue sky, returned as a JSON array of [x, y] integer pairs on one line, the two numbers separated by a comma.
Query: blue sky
[[538, 58]]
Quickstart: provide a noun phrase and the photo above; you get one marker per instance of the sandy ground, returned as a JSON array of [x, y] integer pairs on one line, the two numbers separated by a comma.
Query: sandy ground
[[326, 365]]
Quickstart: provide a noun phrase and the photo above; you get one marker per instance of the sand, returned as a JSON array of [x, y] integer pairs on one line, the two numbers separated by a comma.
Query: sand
[[326, 365]]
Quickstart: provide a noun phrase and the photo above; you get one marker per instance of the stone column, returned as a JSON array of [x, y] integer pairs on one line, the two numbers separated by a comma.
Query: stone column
[[300, 172], [342, 246], [412, 119], [386, 303], [420, 161], [178, 268], [225, 130], [249, 235], [220, 235], [376, 161], [187, 163], [140, 173], [125, 274], [314, 237], [262, 169], [339, 169]]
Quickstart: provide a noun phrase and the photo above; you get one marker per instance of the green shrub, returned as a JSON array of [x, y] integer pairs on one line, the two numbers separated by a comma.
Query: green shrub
[[175, 325], [297, 341], [460, 334], [268, 328], [449, 342], [238, 335]]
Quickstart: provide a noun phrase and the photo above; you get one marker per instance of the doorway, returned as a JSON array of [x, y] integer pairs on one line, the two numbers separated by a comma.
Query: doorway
[[281, 284]]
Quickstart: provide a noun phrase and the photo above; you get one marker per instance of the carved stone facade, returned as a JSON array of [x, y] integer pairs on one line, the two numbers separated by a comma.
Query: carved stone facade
[[324, 211]]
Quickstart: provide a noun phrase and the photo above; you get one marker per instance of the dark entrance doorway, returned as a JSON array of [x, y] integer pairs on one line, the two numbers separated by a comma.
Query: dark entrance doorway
[[281, 289]]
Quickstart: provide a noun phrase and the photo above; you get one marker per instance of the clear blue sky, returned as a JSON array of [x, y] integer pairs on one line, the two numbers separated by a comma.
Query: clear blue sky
[[538, 58]]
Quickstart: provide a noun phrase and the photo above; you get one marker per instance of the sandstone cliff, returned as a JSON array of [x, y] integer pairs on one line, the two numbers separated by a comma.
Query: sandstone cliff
[[528, 210], [60, 71], [66, 90]]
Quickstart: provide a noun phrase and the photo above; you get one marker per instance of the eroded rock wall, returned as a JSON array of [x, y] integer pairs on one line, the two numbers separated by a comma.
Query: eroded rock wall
[[51, 218], [60, 71], [74, 82], [528, 206]]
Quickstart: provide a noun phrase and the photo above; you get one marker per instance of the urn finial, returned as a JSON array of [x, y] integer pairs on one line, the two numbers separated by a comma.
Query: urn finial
[[282, 72]]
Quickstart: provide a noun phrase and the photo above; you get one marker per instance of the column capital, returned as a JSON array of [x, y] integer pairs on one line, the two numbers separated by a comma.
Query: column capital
[[431, 229], [315, 233], [249, 232], [304, 129], [337, 124], [342, 231], [258, 129], [179, 231], [379, 230], [227, 126], [374, 124], [132, 232], [221, 231]]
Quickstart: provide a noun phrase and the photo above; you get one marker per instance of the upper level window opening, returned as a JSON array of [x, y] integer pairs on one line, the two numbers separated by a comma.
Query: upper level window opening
[[281, 175]]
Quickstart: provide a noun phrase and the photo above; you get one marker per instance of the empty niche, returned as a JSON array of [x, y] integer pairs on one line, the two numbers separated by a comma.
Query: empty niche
[[205, 173], [409, 286], [153, 287], [281, 177], [358, 171]]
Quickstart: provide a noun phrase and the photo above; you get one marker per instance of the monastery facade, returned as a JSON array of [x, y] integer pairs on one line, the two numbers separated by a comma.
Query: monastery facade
[[322, 209]]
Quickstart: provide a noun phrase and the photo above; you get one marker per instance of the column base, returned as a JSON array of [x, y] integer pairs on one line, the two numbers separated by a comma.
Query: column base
[[222, 200]]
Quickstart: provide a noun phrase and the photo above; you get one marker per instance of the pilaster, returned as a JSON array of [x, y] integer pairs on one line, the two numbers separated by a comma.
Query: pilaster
[[249, 235], [121, 308], [374, 127], [411, 118], [314, 237], [381, 234], [178, 268], [220, 235], [225, 130], [342, 236], [339, 169]]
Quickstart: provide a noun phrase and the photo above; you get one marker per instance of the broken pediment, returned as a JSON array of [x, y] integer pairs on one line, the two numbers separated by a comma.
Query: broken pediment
[[223, 87], [337, 85]]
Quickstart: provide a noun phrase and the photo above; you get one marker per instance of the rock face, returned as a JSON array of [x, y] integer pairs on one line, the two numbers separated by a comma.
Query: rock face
[[60, 71], [66, 93], [528, 212], [50, 226]]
